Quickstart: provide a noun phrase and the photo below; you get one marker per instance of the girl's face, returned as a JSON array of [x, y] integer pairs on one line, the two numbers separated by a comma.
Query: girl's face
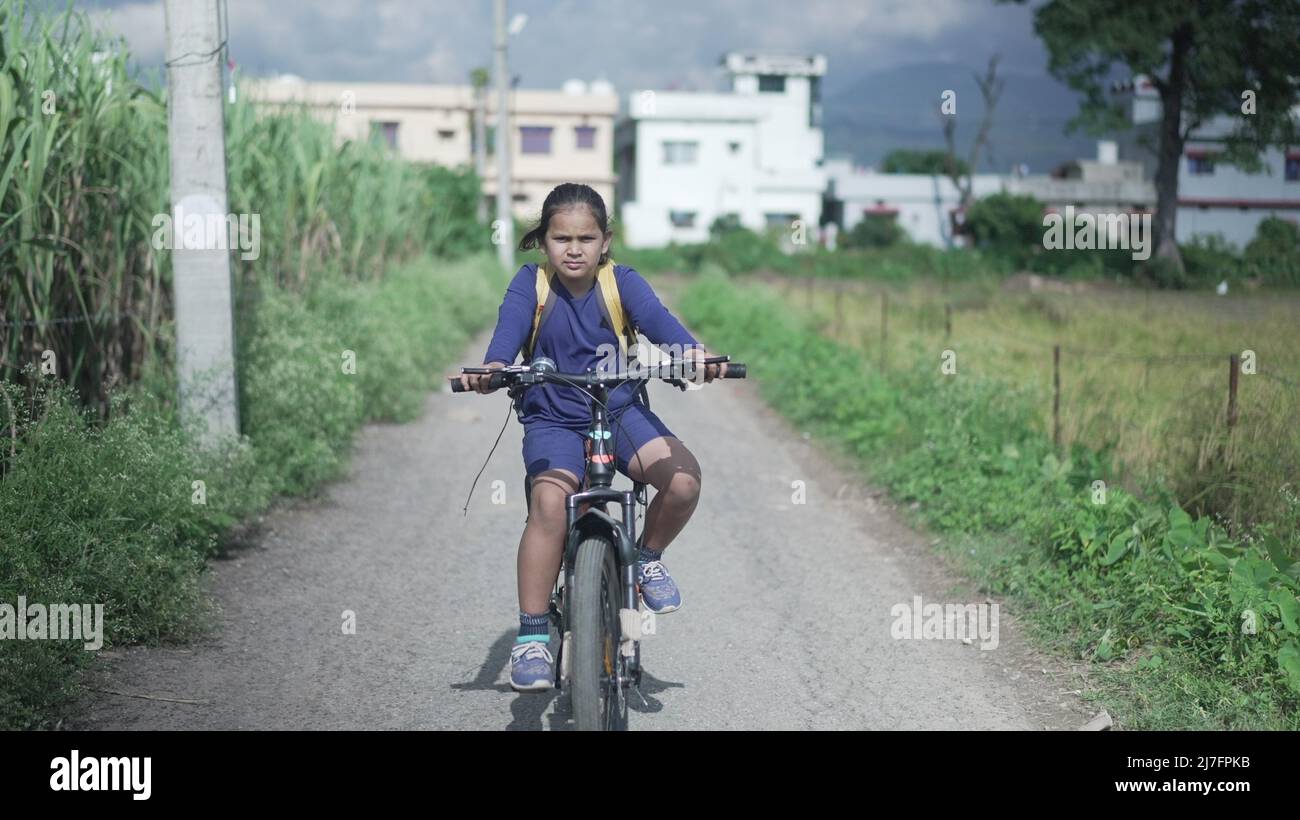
[[574, 244]]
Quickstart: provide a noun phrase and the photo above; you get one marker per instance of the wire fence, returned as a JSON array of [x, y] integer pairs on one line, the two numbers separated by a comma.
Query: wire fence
[[892, 317], [69, 320]]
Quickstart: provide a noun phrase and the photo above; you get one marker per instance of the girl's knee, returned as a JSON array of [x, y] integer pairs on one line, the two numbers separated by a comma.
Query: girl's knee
[[549, 493], [684, 487]]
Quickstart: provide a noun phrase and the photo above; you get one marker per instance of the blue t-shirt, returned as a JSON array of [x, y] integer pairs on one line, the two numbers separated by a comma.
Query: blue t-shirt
[[572, 335]]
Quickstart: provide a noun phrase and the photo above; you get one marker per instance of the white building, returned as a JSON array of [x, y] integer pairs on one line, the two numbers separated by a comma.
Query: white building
[[928, 207], [1213, 197], [685, 159], [923, 205]]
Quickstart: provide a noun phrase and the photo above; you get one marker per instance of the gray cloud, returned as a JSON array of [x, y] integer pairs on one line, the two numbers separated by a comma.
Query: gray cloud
[[632, 44], [888, 59]]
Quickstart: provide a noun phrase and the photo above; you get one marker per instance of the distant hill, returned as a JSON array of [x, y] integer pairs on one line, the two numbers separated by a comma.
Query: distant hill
[[866, 116]]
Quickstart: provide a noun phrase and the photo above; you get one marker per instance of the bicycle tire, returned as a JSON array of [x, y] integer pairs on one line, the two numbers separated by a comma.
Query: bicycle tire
[[594, 603]]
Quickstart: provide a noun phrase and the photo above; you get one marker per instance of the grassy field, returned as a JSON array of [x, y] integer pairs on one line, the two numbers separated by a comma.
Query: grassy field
[[1144, 375]]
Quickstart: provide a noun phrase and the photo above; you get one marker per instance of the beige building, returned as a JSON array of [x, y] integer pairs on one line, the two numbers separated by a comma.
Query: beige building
[[557, 136]]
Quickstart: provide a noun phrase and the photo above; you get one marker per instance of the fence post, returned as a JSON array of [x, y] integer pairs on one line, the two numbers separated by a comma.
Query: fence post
[[1056, 395], [947, 322], [884, 327], [839, 309], [1233, 368]]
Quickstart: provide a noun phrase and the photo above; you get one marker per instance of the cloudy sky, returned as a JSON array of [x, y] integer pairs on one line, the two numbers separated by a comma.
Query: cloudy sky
[[651, 44], [888, 60]]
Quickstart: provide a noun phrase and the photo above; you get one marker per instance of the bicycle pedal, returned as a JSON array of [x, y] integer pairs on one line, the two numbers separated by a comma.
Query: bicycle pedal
[[630, 622]]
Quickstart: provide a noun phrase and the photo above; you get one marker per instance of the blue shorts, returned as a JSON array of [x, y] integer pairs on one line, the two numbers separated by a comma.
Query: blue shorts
[[548, 446]]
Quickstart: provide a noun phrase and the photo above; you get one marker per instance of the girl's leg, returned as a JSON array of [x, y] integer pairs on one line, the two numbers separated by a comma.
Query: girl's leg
[[665, 464], [541, 548]]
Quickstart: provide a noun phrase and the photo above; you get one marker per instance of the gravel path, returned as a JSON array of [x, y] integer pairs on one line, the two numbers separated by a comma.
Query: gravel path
[[786, 622]]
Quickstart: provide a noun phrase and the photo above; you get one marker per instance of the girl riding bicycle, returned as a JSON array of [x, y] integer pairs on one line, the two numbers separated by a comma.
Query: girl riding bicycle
[[573, 234]]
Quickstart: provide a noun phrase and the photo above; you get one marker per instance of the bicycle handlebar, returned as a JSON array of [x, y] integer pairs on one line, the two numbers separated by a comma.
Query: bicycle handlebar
[[671, 372]]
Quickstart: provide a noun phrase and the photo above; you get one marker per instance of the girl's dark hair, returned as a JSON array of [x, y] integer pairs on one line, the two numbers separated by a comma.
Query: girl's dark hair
[[564, 196]]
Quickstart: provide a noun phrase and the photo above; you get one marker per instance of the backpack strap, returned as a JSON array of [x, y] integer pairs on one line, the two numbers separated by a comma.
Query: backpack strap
[[611, 306], [546, 299]]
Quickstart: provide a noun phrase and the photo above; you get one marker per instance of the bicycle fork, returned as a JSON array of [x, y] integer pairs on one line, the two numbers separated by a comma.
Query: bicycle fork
[[629, 614]]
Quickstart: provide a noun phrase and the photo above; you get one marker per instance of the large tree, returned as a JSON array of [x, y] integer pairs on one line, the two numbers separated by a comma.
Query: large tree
[[1205, 58]]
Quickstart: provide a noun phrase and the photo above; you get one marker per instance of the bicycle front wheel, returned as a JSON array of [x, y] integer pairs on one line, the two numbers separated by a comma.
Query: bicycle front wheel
[[594, 688]]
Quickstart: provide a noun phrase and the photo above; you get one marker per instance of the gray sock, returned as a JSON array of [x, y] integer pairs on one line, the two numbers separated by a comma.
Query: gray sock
[[642, 554], [534, 627]]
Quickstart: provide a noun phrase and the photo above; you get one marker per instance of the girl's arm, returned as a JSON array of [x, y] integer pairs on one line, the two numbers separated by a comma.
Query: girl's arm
[[654, 320], [660, 326], [514, 318]]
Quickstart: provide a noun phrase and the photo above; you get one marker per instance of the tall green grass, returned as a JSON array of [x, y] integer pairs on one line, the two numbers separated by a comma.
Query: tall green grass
[[83, 172]]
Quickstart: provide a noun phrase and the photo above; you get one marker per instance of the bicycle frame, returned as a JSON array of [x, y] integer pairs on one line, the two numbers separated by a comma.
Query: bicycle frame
[[599, 479]]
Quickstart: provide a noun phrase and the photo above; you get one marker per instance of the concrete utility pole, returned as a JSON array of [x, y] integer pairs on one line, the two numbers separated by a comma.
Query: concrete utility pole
[[205, 356], [503, 142], [479, 78]]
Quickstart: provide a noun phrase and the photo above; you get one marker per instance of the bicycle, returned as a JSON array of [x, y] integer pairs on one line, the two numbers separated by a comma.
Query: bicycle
[[599, 621]]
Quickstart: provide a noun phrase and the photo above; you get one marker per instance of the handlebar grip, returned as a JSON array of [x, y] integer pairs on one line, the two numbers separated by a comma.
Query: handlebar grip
[[496, 381], [735, 370]]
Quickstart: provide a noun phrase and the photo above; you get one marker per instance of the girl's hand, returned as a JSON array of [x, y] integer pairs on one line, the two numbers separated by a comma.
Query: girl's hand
[[478, 382], [710, 371]]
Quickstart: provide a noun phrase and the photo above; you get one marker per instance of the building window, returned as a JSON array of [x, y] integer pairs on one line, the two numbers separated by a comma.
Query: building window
[[734, 147], [586, 136], [680, 153], [1292, 166], [536, 139], [445, 134], [771, 83], [1200, 163], [385, 132], [779, 221], [682, 219]]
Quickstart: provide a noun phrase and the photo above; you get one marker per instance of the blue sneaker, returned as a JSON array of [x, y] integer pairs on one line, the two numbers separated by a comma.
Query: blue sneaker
[[531, 667], [658, 589]]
